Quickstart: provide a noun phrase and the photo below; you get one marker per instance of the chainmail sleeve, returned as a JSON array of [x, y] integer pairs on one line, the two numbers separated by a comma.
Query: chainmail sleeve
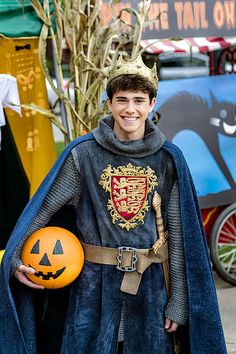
[[64, 191], [177, 307]]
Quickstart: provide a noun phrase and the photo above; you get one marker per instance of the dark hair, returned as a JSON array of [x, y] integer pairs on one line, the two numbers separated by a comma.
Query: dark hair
[[131, 83]]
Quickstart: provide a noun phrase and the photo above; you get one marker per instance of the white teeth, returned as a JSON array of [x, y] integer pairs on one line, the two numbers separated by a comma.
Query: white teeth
[[229, 129], [129, 119]]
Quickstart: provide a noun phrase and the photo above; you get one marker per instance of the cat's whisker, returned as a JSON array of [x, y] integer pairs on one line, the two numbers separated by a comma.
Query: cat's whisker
[[215, 121]]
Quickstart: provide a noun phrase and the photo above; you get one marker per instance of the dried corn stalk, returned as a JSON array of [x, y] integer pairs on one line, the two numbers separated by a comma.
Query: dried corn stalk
[[93, 49]]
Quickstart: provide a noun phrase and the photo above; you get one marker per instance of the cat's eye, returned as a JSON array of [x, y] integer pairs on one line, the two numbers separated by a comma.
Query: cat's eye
[[223, 113]]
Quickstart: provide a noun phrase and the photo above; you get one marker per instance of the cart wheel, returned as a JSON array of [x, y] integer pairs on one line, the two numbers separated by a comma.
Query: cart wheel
[[223, 244]]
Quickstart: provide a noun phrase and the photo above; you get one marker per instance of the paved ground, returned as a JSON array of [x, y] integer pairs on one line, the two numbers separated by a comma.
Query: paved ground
[[227, 301]]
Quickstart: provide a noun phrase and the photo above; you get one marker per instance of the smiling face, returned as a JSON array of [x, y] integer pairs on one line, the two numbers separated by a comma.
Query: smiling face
[[130, 111], [223, 117]]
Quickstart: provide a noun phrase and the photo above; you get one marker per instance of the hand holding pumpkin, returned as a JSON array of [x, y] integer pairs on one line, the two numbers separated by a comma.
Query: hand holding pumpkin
[[20, 274], [54, 257]]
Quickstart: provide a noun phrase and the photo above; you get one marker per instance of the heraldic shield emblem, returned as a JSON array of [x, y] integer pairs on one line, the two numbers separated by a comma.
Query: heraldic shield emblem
[[129, 187]]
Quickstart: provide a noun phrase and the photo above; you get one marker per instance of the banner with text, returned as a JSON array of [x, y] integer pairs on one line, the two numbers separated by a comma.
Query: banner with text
[[184, 19]]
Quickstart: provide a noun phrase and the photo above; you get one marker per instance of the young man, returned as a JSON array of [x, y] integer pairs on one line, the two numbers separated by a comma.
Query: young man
[[129, 187]]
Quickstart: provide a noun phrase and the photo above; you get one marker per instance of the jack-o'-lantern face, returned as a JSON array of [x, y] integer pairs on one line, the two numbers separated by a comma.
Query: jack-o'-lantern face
[[56, 255]]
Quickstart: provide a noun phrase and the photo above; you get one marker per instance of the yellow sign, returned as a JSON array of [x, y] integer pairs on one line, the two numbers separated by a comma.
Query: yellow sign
[[32, 132], [1, 255]]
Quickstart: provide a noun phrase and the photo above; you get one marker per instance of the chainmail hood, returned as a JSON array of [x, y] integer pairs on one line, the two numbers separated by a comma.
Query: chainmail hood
[[151, 143]]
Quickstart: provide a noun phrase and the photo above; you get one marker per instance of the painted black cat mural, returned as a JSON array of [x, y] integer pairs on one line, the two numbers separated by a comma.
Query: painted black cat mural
[[185, 111]]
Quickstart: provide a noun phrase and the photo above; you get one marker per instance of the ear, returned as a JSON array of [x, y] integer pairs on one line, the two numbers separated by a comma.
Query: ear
[[109, 104], [152, 104]]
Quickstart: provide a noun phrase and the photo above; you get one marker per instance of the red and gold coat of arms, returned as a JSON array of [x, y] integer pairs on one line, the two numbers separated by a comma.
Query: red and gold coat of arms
[[129, 187]]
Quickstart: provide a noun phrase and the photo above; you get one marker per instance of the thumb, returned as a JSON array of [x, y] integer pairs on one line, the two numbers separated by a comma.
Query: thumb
[[167, 323]]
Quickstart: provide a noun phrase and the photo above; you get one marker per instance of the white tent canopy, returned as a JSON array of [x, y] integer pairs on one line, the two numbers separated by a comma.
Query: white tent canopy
[[194, 45]]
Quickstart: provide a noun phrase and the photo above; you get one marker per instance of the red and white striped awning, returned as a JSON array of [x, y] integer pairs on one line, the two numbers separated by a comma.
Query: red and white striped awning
[[194, 45]]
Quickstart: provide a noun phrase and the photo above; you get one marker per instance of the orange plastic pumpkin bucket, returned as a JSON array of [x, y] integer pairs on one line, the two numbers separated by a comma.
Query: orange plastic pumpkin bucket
[[56, 255]]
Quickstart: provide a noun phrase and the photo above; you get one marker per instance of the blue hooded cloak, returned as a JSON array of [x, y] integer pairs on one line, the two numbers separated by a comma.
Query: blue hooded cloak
[[204, 329]]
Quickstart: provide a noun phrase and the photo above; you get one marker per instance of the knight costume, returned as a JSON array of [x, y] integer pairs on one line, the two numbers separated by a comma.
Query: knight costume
[[111, 184]]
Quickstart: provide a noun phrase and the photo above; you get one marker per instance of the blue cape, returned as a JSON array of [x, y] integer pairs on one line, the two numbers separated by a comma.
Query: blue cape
[[204, 324]]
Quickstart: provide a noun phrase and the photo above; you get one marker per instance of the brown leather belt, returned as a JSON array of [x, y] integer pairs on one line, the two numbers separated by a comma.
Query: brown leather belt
[[133, 262]]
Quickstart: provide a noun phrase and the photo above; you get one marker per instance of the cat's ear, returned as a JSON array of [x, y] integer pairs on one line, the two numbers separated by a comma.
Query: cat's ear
[[213, 99]]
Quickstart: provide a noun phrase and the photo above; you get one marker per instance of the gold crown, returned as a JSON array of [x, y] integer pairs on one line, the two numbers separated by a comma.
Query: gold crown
[[134, 67]]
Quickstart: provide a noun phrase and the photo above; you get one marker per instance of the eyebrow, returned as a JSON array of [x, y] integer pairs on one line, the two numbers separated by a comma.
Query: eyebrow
[[139, 97]]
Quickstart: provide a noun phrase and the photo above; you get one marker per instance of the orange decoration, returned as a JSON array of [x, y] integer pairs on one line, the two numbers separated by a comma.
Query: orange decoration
[[56, 255]]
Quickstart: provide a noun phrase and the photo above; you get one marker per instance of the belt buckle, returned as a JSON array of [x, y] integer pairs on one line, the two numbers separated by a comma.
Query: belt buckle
[[134, 259]]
